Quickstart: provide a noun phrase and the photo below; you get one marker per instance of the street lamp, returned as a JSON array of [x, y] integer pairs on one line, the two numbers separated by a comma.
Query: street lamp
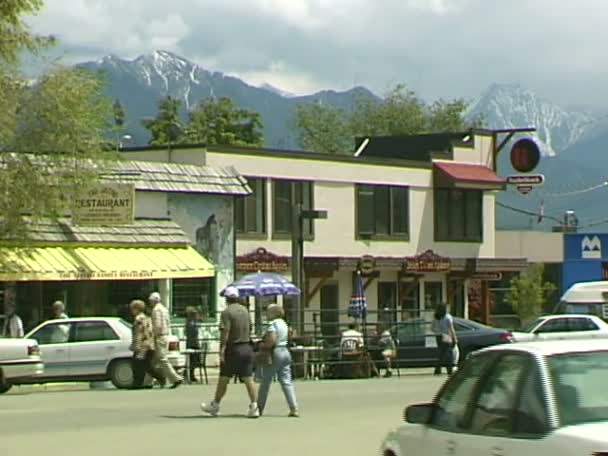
[[299, 215]]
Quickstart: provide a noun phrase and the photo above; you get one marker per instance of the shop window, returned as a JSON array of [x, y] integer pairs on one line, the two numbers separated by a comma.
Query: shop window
[[382, 211], [458, 215], [250, 211], [285, 195], [433, 295], [197, 293], [387, 302]]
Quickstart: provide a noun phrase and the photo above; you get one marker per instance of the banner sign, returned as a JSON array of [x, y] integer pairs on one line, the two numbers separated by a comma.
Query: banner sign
[[428, 261], [105, 205]]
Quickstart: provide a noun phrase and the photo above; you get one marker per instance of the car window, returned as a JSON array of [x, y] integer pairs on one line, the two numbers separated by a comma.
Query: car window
[[554, 325], [53, 333], [90, 331], [498, 395], [459, 327], [582, 324], [530, 326], [530, 417], [579, 384], [411, 330], [452, 404]]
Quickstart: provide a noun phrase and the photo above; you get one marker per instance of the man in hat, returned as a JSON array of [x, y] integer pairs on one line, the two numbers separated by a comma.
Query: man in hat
[[161, 326], [236, 354]]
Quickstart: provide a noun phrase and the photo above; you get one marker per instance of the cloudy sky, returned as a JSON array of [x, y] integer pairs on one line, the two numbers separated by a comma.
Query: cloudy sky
[[440, 48]]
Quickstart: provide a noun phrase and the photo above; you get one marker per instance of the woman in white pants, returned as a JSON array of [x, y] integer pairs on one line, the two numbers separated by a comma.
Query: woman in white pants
[[275, 342]]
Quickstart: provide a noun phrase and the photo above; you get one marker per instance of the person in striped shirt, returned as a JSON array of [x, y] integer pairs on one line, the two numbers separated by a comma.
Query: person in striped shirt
[[142, 344]]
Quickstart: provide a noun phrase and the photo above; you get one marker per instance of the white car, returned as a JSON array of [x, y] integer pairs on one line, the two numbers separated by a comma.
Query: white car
[[19, 361], [537, 398], [552, 327], [90, 349]]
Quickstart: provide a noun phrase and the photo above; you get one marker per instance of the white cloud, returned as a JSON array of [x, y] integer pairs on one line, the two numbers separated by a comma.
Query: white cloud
[[438, 47]]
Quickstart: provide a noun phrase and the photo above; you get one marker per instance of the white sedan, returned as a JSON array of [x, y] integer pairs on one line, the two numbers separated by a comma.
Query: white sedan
[[552, 327], [537, 398], [19, 361], [90, 349]]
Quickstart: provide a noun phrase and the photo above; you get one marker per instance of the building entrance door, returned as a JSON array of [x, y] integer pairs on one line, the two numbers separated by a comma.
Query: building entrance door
[[330, 317]]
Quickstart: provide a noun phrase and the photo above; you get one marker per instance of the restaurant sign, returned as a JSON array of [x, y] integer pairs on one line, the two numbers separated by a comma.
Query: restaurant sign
[[261, 260], [110, 204], [428, 261]]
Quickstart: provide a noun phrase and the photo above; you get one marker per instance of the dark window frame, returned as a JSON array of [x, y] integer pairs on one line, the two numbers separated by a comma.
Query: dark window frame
[[309, 226], [469, 197], [372, 191], [107, 329], [242, 203]]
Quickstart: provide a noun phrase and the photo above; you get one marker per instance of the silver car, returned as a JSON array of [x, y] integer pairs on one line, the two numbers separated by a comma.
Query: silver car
[[90, 349]]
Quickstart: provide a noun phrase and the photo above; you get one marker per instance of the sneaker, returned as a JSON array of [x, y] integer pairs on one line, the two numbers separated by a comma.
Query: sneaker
[[253, 411], [212, 408], [294, 414]]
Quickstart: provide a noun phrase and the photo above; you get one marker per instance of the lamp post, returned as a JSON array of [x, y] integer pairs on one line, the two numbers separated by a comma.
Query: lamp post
[[299, 215]]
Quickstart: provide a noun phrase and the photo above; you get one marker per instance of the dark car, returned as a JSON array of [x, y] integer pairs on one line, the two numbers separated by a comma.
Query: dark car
[[416, 343]]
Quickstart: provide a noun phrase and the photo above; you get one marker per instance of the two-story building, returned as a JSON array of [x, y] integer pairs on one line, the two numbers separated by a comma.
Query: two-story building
[[414, 214]]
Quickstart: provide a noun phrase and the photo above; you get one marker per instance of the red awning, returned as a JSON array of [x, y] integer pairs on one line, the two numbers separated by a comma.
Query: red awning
[[465, 175]]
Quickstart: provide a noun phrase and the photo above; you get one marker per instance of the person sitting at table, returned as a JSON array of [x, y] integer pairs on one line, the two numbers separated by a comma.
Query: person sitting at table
[[192, 340], [351, 340]]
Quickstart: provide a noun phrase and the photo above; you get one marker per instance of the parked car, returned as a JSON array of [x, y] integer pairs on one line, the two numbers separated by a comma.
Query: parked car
[[543, 398], [417, 345], [19, 361], [552, 327], [90, 349], [585, 298]]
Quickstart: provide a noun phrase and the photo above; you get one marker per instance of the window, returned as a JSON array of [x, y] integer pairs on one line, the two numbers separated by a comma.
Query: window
[[553, 325], [581, 324], [93, 331], [55, 333], [387, 302], [530, 417], [452, 404], [458, 215], [250, 211], [382, 211], [285, 195], [198, 293], [493, 410]]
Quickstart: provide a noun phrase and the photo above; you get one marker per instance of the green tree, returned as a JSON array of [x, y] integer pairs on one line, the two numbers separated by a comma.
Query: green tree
[[52, 130], [324, 128], [528, 293], [166, 127]]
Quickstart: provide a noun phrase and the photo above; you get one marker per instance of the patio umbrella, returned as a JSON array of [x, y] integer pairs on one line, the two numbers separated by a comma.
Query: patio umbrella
[[264, 284], [358, 303]]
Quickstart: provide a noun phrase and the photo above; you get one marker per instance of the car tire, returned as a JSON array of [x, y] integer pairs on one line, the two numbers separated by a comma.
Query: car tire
[[4, 385], [121, 373]]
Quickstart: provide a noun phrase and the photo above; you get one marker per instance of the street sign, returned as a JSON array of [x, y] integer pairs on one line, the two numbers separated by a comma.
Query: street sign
[[525, 155], [524, 189], [531, 180]]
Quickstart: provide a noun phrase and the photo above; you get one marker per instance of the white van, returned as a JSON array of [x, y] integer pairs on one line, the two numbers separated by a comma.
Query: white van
[[585, 298]]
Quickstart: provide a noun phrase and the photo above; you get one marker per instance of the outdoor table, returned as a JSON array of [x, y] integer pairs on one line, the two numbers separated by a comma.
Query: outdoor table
[[188, 352]]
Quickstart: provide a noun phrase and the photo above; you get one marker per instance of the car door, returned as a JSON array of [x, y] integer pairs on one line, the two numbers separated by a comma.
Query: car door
[[443, 434], [416, 344], [54, 343], [95, 343], [509, 415]]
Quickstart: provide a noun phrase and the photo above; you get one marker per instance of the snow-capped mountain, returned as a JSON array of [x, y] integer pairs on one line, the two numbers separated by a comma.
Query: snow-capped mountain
[[511, 106], [276, 90]]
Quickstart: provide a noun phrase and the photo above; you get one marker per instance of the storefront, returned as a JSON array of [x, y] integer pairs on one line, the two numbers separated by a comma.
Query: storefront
[[585, 258]]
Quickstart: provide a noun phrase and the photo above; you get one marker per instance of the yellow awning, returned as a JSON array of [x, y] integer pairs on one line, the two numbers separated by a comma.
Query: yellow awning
[[101, 263]]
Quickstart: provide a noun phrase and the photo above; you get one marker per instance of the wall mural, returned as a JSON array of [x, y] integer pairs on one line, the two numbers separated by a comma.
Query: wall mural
[[208, 221]]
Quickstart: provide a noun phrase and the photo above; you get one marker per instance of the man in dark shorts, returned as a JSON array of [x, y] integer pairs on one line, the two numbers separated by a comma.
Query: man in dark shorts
[[236, 354]]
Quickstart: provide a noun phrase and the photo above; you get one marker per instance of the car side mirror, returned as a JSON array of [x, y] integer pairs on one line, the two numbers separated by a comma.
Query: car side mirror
[[419, 413]]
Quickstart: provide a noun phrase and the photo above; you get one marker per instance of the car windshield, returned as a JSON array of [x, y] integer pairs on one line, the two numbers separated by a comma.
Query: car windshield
[[530, 326], [579, 381], [126, 323]]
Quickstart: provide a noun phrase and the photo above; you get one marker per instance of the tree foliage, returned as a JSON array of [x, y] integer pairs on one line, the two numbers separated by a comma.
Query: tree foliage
[[528, 293], [52, 130], [213, 121], [324, 128]]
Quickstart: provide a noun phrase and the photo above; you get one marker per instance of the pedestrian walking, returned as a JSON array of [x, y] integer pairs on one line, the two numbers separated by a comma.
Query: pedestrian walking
[[142, 345], [236, 354], [275, 342], [13, 325], [161, 326], [192, 340], [443, 327]]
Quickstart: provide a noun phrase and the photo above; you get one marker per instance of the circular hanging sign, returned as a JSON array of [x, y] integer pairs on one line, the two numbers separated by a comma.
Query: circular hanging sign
[[525, 155]]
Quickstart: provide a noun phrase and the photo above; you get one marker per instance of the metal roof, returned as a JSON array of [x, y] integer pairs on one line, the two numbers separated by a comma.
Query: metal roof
[[173, 177]]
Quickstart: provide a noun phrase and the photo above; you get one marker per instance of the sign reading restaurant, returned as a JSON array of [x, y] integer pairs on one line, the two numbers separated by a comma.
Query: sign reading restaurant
[[261, 260], [428, 261], [110, 204]]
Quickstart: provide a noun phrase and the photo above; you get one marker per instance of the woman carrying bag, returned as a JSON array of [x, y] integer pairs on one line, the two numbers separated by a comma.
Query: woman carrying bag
[[443, 327], [277, 360]]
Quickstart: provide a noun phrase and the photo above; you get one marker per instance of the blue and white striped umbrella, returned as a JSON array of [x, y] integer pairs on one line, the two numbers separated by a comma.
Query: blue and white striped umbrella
[[358, 303], [264, 284]]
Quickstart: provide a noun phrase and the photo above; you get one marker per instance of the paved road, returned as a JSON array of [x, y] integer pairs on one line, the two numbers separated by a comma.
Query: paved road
[[347, 417]]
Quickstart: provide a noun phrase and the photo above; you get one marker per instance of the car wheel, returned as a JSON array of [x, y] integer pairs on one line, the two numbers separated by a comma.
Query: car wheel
[[121, 373], [4, 385]]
